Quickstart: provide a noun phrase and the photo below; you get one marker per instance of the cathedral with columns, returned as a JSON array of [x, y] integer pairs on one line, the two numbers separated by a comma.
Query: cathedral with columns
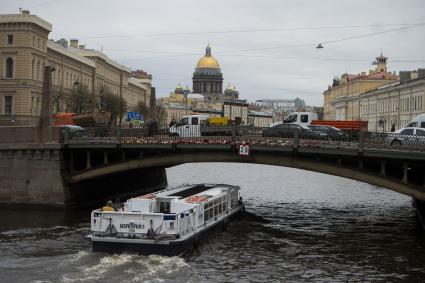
[[208, 80]]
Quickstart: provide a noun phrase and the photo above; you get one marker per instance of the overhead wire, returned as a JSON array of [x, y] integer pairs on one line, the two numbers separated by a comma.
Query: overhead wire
[[280, 57], [44, 4], [223, 53], [327, 42], [244, 31]]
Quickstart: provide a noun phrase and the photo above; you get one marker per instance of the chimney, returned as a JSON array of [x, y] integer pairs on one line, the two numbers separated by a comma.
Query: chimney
[[73, 43], [421, 73], [404, 76], [25, 12]]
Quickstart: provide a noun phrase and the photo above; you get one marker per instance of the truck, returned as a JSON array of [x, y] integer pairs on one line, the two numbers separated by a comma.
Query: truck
[[309, 118], [62, 119], [201, 125]]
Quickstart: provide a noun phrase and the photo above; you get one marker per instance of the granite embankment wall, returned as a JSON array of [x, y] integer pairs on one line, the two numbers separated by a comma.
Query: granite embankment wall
[[31, 174], [38, 174]]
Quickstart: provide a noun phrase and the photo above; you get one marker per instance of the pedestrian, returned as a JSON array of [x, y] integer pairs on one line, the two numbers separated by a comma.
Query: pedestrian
[[172, 123]]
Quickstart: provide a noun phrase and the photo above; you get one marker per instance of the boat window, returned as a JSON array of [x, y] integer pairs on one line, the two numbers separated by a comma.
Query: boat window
[[422, 124], [195, 121], [164, 207], [304, 118], [171, 225]]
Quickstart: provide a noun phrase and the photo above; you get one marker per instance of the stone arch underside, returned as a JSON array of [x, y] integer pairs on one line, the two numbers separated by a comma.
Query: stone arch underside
[[174, 159]]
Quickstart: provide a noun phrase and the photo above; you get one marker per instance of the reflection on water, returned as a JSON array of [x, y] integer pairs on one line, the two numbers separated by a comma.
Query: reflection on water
[[321, 229]]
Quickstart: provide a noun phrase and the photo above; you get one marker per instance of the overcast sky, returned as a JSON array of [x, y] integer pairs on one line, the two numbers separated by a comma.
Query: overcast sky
[[166, 38]]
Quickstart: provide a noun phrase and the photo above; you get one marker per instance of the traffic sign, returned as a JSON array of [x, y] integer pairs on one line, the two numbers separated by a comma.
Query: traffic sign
[[134, 116], [244, 150]]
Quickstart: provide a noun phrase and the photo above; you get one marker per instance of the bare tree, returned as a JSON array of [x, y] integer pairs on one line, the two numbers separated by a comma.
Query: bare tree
[[114, 105], [80, 100], [143, 109], [159, 114]]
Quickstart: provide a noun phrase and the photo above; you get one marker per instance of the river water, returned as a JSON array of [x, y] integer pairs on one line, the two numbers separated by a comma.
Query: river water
[[322, 229]]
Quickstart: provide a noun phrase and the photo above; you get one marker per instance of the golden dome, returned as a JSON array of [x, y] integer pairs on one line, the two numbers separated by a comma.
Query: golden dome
[[208, 61]]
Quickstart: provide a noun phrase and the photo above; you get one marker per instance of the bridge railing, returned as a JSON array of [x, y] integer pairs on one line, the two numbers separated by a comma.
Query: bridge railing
[[393, 141], [232, 134]]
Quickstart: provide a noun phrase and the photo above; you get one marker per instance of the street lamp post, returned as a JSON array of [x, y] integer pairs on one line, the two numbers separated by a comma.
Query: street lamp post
[[186, 93]]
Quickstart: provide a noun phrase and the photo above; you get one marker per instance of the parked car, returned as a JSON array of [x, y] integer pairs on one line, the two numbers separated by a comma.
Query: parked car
[[288, 130], [407, 136], [73, 131], [418, 121], [332, 132]]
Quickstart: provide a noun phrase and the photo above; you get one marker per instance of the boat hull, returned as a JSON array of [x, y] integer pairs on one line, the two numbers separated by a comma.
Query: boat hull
[[171, 248]]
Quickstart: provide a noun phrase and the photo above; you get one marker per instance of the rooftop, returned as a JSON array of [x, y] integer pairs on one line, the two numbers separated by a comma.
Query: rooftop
[[70, 53], [26, 17], [95, 53]]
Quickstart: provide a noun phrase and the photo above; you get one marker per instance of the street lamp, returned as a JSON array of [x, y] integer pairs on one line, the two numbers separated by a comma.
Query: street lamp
[[186, 92]]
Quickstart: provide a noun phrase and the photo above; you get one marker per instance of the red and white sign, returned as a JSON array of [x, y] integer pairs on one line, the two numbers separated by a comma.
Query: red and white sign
[[244, 150]]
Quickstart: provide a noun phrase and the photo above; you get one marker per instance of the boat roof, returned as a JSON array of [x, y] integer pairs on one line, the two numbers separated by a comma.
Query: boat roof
[[186, 191]]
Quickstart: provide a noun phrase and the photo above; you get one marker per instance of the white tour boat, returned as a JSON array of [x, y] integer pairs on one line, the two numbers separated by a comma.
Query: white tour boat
[[166, 222]]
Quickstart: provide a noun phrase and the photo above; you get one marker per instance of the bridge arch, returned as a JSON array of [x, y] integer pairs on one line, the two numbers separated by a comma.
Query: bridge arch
[[177, 158]]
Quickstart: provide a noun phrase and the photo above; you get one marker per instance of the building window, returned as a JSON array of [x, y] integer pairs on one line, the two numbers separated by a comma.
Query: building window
[[8, 105], [9, 39], [33, 68], [9, 67], [38, 70]]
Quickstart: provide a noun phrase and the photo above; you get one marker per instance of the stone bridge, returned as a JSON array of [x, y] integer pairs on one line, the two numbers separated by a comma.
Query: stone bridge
[[91, 168]]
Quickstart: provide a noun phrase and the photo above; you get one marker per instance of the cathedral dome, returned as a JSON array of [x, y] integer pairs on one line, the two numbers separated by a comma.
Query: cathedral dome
[[208, 61], [231, 91], [179, 89]]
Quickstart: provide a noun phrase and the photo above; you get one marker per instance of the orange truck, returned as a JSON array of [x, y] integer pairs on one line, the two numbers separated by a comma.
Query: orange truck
[[64, 119]]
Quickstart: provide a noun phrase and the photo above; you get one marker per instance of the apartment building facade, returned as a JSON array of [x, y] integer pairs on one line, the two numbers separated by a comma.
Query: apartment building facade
[[24, 52], [342, 99], [395, 103]]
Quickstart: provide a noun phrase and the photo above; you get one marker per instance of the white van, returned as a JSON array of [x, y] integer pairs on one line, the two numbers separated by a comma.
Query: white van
[[417, 122], [300, 118], [189, 126]]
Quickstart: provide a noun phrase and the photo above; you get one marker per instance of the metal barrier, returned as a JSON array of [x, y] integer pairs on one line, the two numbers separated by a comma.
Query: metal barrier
[[257, 136]]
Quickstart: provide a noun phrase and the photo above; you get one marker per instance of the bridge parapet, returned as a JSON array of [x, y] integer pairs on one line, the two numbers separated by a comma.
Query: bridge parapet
[[255, 136]]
